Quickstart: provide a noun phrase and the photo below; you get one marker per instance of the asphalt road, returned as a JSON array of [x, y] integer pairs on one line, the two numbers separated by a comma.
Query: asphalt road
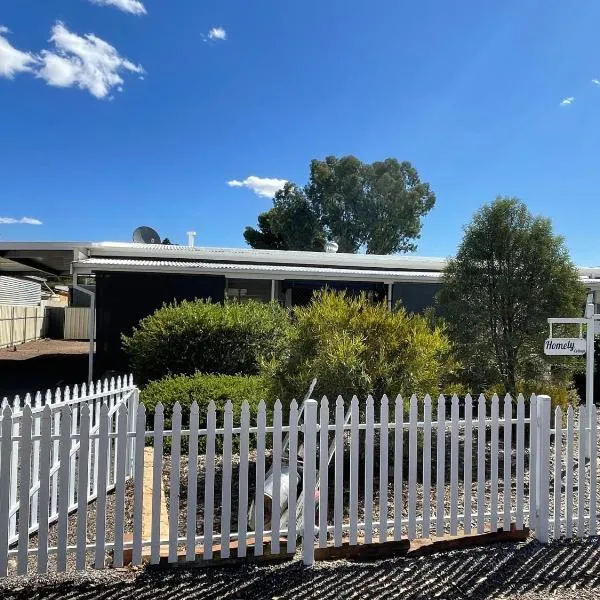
[[569, 569]]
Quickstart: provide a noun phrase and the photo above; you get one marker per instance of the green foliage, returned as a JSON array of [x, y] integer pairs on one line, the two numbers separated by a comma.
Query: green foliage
[[201, 336], [510, 274], [377, 207], [202, 389], [353, 346], [562, 394]]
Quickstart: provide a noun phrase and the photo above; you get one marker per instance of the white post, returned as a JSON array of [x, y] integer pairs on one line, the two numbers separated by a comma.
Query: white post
[[309, 481], [543, 467], [589, 375]]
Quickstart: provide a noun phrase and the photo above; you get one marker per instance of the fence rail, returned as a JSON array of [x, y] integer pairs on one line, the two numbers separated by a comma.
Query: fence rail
[[20, 324], [356, 473]]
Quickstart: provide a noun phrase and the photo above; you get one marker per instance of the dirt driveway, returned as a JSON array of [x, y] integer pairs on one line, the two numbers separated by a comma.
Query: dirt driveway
[[527, 571]]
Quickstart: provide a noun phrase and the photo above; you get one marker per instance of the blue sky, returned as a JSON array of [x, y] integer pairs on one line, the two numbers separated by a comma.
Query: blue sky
[[146, 122]]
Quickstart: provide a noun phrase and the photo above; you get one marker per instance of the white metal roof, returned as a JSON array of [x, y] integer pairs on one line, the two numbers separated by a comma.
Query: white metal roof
[[253, 270]]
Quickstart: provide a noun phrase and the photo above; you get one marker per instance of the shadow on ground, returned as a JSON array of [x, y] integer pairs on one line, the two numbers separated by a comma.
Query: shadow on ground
[[569, 569]]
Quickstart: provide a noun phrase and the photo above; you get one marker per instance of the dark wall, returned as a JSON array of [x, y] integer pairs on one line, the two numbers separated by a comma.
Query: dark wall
[[122, 299], [79, 298], [302, 291], [415, 297]]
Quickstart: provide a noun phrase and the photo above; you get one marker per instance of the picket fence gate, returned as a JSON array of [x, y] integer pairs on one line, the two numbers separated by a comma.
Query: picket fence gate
[[400, 470]]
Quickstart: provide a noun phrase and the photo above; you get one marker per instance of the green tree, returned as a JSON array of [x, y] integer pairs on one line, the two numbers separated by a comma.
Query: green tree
[[374, 207], [167, 242], [509, 275], [290, 225]]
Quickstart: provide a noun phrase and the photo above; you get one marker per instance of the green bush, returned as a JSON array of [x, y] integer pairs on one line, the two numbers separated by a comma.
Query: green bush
[[562, 394], [201, 336], [353, 346], [202, 389]]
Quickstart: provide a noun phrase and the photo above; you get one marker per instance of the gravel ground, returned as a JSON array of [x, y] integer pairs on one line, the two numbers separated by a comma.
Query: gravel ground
[[527, 571]]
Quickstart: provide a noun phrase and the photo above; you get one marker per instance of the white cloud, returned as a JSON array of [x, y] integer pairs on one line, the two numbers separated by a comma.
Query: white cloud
[[86, 61], [22, 221], [217, 33], [567, 101], [596, 82], [135, 7], [13, 61], [262, 186]]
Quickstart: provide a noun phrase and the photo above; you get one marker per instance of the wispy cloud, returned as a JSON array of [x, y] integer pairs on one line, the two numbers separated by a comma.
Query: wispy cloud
[[215, 34], [567, 101], [13, 61], [22, 221], [87, 62], [262, 186], [596, 82], [135, 7]]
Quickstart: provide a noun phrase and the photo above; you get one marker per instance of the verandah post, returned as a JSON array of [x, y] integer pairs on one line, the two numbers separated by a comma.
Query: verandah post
[[543, 467], [309, 480]]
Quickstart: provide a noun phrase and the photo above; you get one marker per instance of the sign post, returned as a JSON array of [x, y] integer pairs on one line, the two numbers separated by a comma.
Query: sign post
[[578, 347]]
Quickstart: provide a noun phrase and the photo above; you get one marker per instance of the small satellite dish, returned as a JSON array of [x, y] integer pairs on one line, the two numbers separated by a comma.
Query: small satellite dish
[[146, 235]]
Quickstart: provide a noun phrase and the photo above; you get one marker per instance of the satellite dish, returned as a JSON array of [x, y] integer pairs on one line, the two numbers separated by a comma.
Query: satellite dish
[[146, 235]]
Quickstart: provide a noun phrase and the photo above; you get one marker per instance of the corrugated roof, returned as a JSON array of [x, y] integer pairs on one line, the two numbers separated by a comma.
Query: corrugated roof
[[244, 270]]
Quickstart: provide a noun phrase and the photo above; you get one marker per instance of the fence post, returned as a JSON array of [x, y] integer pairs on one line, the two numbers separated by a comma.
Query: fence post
[[543, 467], [309, 481]]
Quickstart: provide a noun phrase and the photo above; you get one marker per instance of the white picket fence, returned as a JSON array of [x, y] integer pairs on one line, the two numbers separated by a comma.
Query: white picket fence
[[399, 471], [41, 454]]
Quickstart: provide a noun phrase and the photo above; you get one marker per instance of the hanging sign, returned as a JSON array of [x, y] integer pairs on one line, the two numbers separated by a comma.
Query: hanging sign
[[565, 346]]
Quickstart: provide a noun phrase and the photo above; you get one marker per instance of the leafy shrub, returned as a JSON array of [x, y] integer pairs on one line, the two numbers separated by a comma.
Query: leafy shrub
[[201, 336], [561, 393], [202, 389], [353, 346]]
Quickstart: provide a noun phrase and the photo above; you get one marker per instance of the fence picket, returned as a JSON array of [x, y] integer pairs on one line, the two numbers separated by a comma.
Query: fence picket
[[369, 435], [14, 469], [192, 491], [55, 459], [120, 475], [557, 471], [412, 468], [138, 483], [82, 485], [44, 479], [494, 464], [440, 466], [209, 479], [243, 481], [520, 450], [507, 449], [174, 482], [24, 484], [569, 469], [339, 472], [155, 532], [454, 466], [102, 476], [594, 473], [259, 518], [398, 466], [74, 441], [354, 466], [293, 464], [481, 464], [323, 472], [426, 466], [6, 447], [35, 467], [97, 407], [275, 504], [63, 487], [468, 464], [581, 472], [383, 469]]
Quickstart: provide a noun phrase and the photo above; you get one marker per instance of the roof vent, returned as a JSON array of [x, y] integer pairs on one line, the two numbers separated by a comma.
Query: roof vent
[[331, 247], [191, 238]]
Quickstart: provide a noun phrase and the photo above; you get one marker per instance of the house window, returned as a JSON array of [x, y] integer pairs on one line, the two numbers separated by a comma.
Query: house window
[[243, 290]]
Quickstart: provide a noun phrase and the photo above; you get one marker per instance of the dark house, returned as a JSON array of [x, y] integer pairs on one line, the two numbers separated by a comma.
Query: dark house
[[127, 281]]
